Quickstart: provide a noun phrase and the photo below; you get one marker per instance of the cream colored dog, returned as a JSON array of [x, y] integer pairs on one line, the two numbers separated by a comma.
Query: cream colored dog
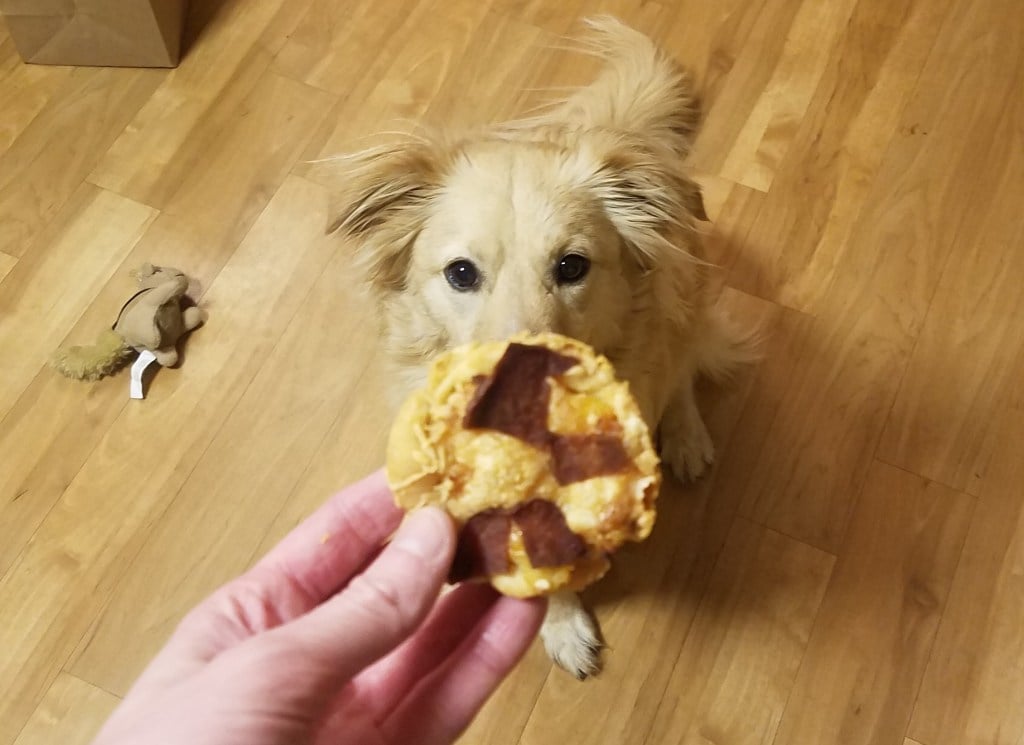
[[581, 221]]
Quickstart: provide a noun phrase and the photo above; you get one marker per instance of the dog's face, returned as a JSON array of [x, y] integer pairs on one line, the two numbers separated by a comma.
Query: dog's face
[[513, 240], [486, 239]]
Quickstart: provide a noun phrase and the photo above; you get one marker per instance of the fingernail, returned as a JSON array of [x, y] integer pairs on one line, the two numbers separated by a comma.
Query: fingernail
[[425, 533]]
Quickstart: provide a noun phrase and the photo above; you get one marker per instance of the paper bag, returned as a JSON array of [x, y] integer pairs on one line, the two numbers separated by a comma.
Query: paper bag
[[107, 33]]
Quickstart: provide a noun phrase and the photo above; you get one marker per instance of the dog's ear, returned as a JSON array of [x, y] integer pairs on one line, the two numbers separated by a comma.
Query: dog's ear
[[645, 194], [380, 204]]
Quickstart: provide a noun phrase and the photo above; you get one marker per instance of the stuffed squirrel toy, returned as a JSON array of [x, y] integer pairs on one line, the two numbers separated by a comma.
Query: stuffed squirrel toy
[[152, 319]]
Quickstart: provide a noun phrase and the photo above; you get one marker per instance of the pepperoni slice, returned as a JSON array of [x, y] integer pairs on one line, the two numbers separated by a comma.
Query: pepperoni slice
[[581, 457], [546, 535], [482, 548], [514, 399]]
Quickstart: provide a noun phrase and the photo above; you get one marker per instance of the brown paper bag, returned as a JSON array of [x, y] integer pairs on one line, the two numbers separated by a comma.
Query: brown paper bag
[[108, 33]]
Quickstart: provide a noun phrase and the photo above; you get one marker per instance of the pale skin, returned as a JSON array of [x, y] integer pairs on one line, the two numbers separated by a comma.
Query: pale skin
[[336, 636]]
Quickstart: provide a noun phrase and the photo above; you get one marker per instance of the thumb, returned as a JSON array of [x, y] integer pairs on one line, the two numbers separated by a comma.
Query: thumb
[[379, 608]]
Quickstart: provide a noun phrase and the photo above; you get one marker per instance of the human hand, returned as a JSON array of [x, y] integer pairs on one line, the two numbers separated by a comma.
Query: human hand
[[332, 639]]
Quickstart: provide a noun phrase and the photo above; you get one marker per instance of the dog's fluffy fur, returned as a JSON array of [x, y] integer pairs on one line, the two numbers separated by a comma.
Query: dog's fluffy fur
[[599, 174]]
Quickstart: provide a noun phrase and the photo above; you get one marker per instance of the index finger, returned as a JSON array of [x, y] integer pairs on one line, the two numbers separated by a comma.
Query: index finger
[[326, 549], [309, 565]]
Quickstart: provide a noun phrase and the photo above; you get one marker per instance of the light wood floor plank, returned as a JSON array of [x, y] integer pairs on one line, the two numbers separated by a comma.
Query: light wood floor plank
[[874, 632], [734, 675], [24, 91], [874, 307], [548, 16], [283, 415], [956, 382], [479, 95], [917, 211], [415, 62], [246, 161], [730, 208], [53, 410], [48, 434], [861, 164], [250, 140], [83, 546], [971, 692], [340, 457], [46, 164], [170, 137], [42, 297], [335, 45], [251, 152], [7, 263], [771, 125], [747, 74], [709, 38], [56, 423], [71, 713], [963, 351], [836, 154], [808, 470]]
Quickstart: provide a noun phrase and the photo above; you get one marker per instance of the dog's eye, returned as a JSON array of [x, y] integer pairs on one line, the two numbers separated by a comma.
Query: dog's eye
[[462, 275], [571, 268]]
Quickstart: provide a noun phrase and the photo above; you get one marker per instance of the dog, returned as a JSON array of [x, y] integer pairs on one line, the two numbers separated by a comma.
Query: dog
[[580, 220]]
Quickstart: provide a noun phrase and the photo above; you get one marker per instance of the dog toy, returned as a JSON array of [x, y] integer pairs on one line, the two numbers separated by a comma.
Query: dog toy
[[151, 323]]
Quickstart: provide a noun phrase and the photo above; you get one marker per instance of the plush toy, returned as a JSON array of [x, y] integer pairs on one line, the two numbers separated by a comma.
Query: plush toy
[[152, 320]]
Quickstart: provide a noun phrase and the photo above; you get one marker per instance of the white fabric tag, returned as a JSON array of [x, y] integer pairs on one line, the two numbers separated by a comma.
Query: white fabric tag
[[144, 360]]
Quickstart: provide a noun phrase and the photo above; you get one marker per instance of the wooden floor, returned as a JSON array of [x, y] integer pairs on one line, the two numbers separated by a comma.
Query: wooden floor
[[851, 572]]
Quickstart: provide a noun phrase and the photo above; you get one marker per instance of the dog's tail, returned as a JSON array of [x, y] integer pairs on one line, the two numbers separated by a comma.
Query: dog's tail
[[725, 349], [106, 356], [640, 88]]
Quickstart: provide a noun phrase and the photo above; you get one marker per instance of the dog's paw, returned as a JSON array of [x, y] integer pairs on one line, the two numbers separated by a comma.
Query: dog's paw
[[572, 641], [687, 448]]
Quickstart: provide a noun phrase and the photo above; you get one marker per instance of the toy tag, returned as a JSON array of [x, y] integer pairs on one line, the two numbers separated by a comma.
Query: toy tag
[[140, 365]]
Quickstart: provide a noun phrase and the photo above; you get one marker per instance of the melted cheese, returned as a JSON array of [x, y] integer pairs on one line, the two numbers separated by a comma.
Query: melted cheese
[[540, 579]]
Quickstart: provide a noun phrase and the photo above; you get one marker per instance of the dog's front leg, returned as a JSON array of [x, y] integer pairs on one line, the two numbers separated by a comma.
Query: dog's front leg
[[571, 635], [685, 442]]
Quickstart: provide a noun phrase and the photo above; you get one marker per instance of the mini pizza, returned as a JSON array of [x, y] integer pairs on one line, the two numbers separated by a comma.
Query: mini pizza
[[539, 454]]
